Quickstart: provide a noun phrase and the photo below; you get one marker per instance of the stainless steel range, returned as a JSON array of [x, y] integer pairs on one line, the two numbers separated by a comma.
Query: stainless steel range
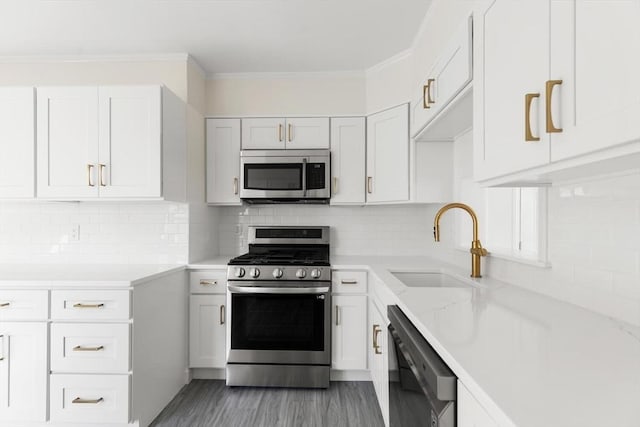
[[280, 309]]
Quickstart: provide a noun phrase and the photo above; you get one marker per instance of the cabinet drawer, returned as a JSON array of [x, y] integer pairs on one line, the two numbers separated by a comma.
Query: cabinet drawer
[[90, 305], [24, 305], [208, 282], [91, 348], [89, 398], [349, 282]]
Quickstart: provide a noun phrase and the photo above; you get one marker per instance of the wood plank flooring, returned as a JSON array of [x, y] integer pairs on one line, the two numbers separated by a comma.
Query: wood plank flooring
[[205, 403]]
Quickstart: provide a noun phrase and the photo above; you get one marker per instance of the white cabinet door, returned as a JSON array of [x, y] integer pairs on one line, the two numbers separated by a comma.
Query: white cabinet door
[[223, 161], [594, 51], [23, 371], [470, 412], [307, 133], [207, 315], [130, 132], [17, 142], [67, 148], [263, 134], [349, 344], [378, 361], [512, 61], [348, 161], [388, 155]]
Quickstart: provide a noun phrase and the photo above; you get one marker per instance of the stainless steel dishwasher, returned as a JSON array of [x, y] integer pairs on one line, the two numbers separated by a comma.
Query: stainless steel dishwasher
[[422, 388]]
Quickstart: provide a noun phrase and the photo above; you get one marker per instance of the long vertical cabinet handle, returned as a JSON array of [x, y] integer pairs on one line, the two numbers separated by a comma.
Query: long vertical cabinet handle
[[2, 347], [90, 175], [223, 314], [376, 346], [335, 185], [290, 132], [549, 93], [235, 185], [528, 100], [369, 184], [337, 315], [101, 173], [280, 132]]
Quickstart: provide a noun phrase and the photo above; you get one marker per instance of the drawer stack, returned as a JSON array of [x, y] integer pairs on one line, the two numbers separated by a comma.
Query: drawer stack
[[90, 355]]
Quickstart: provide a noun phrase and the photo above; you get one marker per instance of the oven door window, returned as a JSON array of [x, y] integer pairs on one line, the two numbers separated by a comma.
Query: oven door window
[[273, 176], [277, 322]]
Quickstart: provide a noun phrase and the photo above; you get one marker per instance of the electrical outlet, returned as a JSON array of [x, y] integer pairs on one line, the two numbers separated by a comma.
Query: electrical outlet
[[74, 233]]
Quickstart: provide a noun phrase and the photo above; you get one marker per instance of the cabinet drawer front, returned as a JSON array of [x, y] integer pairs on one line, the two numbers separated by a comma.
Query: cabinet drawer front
[[208, 282], [24, 305], [89, 398], [91, 348], [349, 282], [90, 305]]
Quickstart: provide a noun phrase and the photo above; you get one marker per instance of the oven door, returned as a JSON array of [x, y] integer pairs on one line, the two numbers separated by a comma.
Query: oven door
[[276, 324]]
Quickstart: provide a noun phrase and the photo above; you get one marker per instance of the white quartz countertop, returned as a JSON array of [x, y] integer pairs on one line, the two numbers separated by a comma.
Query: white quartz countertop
[[529, 359], [82, 274]]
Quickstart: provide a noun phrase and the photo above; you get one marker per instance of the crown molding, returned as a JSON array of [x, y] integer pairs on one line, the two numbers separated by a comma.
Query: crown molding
[[286, 75], [196, 65], [29, 59]]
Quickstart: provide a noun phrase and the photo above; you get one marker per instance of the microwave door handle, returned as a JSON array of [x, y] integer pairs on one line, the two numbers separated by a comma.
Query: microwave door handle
[[304, 177]]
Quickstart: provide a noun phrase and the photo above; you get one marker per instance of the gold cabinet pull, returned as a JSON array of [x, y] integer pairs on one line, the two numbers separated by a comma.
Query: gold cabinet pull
[[549, 93], [290, 132], [528, 100], [81, 348], [223, 314], [2, 348], [101, 168], [235, 185], [349, 282], [426, 94], [337, 315], [94, 401], [335, 185], [280, 132], [5, 304], [205, 282], [369, 184], [81, 305], [376, 346], [90, 175]]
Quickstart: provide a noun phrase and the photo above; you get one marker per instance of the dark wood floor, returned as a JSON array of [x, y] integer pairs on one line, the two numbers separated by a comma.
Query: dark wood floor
[[211, 403]]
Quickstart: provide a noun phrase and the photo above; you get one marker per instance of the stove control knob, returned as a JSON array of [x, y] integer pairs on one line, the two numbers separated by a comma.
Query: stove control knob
[[239, 272], [301, 273], [254, 272], [277, 273], [315, 273]]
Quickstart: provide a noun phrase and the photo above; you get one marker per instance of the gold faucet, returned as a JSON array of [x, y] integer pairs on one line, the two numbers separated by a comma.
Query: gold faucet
[[476, 250]]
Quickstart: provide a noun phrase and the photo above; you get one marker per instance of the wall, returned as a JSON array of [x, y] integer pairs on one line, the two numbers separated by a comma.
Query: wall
[[369, 230], [285, 94], [389, 83]]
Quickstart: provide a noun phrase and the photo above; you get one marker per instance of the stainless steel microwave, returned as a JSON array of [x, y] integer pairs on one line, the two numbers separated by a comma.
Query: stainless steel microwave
[[285, 176]]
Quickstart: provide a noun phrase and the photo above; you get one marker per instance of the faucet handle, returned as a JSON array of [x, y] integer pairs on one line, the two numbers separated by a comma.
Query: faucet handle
[[477, 249]]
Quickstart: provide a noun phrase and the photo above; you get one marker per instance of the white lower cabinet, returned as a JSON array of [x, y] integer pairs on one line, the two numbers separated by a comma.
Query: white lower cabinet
[[207, 318], [89, 398], [349, 334], [23, 371], [470, 412], [378, 359]]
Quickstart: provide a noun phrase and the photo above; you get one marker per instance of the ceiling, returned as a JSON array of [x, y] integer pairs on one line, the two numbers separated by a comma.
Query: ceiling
[[224, 36]]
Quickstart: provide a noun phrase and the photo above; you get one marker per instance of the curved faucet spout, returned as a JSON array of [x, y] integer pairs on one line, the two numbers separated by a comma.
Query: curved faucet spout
[[476, 250]]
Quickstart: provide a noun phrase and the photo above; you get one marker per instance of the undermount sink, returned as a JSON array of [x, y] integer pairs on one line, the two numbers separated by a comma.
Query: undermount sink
[[424, 279]]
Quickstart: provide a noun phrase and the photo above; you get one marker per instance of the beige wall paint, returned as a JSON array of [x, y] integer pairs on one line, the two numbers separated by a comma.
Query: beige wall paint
[[289, 94]]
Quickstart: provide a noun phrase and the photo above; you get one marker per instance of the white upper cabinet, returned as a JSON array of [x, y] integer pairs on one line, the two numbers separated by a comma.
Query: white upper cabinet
[[348, 161], [120, 142], [594, 52], [129, 140], [280, 133], [263, 134], [307, 133], [17, 142], [555, 80], [449, 76], [223, 161], [388, 156], [67, 136], [512, 39]]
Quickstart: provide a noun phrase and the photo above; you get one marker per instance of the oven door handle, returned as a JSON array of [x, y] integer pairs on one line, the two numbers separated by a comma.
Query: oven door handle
[[263, 290]]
